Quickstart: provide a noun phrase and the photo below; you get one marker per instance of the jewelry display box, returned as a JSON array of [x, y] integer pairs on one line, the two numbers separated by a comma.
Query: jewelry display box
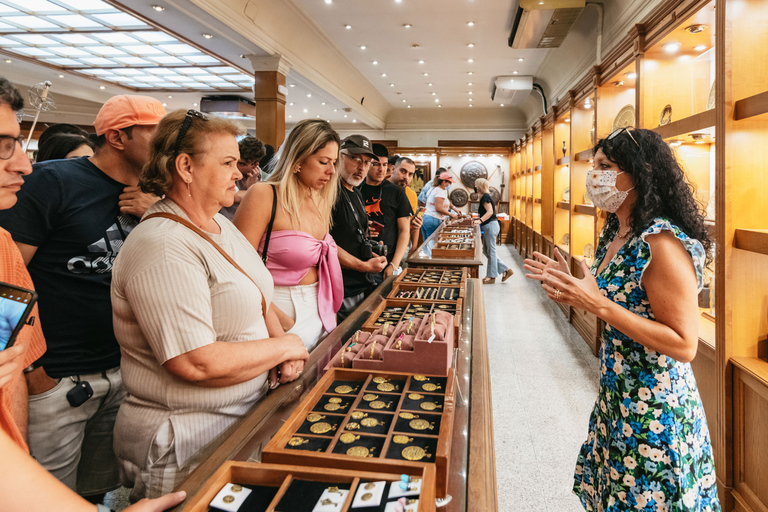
[[455, 277], [426, 292], [454, 242], [284, 488], [386, 422], [394, 311]]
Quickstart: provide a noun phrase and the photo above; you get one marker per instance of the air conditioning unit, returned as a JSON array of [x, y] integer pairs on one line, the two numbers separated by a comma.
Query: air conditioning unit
[[543, 24], [511, 90], [232, 107]]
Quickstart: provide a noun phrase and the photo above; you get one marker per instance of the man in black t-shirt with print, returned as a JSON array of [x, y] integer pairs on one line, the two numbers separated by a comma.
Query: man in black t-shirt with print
[[388, 208], [350, 225], [69, 223]]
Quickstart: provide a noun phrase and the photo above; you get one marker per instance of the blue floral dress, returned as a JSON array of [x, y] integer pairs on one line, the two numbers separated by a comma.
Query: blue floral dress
[[648, 446]]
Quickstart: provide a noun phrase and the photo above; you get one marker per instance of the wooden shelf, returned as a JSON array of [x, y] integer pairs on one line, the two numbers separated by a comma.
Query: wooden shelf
[[586, 209], [754, 366], [565, 251], [753, 240], [537, 200], [752, 106], [584, 156], [706, 329], [563, 205], [537, 168], [529, 171], [696, 122], [549, 238], [566, 160]]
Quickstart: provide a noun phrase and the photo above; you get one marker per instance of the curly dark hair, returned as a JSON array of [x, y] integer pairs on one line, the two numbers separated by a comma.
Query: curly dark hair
[[661, 185], [10, 95], [251, 150]]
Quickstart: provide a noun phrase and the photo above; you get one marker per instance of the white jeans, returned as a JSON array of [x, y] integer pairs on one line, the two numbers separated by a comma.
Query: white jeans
[[300, 302]]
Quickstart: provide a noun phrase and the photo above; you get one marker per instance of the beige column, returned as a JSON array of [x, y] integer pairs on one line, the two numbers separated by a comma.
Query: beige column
[[269, 80]]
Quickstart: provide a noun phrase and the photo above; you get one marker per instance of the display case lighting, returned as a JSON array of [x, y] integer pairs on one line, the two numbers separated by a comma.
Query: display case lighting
[[672, 47], [158, 8]]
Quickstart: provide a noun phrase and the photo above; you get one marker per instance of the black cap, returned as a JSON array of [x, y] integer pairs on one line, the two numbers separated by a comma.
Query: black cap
[[380, 150], [358, 145]]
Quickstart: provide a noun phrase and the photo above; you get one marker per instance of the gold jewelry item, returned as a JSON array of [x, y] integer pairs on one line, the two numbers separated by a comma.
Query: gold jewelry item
[[369, 396], [402, 439], [410, 325], [367, 496], [432, 327], [421, 425], [188, 190], [357, 336], [415, 396], [399, 343], [298, 441], [335, 400], [408, 415], [343, 390], [558, 293], [321, 428], [335, 489], [420, 377], [429, 406], [385, 328], [380, 380], [378, 404], [347, 438], [226, 499], [360, 451], [236, 488], [313, 417], [342, 359], [371, 422], [386, 386], [352, 426], [373, 347], [369, 486], [414, 453], [327, 501], [430, 387], [358, 415], [333, 406]]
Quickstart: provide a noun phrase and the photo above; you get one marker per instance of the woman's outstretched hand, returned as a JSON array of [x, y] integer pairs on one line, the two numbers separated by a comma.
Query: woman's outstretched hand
[[542, 263], [561, 286]]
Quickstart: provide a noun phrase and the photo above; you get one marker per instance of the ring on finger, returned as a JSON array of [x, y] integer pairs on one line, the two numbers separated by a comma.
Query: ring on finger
[[558, 293]]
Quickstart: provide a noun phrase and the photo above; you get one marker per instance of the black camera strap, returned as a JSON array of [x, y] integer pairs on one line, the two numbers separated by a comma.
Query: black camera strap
[[360, 230]]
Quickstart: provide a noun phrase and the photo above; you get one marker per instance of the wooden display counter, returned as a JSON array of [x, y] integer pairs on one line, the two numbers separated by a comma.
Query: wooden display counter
[[471, 474], [420, 259]]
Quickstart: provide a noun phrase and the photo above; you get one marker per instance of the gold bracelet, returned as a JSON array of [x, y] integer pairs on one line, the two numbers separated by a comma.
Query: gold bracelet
[[373, 346]]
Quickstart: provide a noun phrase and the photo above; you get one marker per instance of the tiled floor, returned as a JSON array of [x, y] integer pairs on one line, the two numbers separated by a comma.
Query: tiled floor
[[544, 384]]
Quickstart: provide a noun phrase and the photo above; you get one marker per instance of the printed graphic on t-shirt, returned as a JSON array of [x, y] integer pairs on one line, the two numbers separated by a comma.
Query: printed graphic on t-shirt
[[102, 252], [373, 208]]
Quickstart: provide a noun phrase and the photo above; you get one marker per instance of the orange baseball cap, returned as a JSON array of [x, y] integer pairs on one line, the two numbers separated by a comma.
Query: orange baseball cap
[[128, 110], [447, 177]]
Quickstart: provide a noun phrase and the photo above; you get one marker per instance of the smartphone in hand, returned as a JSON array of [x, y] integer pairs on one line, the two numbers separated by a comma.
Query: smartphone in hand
[[374, 228], [16, 304]]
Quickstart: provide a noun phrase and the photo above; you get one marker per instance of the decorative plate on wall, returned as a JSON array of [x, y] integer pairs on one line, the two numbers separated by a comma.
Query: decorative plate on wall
[[567, 239], [589, 251], [474, 196], [711, 98], [625, 118], [459, 197], [470, 171], [567, 195], [495, 195], [666, 115]]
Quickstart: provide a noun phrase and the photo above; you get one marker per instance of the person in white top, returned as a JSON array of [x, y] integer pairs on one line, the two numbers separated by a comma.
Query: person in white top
[[438, 206], [199, 337]]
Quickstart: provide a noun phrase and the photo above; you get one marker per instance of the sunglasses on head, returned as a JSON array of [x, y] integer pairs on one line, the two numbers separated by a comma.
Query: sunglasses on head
[[185, 125], [618, 132]]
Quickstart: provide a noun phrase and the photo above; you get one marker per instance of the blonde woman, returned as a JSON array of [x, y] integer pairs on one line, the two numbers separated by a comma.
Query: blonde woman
[[490, 224], [287, 221]]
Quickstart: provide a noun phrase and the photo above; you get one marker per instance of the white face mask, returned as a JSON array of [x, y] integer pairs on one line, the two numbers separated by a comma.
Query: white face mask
[[602, 191]]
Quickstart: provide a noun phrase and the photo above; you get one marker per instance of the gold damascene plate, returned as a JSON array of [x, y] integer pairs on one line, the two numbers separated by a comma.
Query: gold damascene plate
[[358, 414], [333, 406], [407, 415], [415, 396], [321, 428], [420, 425], [414, 453], [343, 390], [420, 377], [379, 380], [347, 438], [386, 386], [430, 387], [334, 400], [370, 422], [429, 406], [298, 441], [313, 417], [625, 118], [402, 439], [369, 397], [359, 451], [378, 404]]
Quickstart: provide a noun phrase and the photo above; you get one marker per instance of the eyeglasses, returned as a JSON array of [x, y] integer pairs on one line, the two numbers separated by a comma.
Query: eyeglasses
[[8, 145], [358, 160], [619, 132], [185, 125]]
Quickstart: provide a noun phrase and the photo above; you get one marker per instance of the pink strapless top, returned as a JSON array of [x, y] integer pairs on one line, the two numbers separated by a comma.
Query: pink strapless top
[[293, 253]]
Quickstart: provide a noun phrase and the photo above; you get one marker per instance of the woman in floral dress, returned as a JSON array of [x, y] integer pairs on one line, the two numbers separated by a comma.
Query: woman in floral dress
[[648, 446]]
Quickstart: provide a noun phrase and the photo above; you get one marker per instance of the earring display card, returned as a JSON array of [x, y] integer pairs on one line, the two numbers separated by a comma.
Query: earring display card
[[231, 497], [369, 494], [378, 432]]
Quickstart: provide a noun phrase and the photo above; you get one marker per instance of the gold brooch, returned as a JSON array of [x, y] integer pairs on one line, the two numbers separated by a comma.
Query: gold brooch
[[313, 417], [378, 404], [429, 406], [386, 386], [421, 425], [333, 406], [358, 414], [334, 400], [360, 451], [347, 438], [352, 426], [420, 377], [408, 415], [402, 439], [321, 428], [343, 390], [368, 397], [371, 422], [414, 453], [415, 396], [298, 441], [430, 387], [380, 380]]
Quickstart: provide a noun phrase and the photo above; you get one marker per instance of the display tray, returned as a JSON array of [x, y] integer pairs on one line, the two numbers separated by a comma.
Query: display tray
[[410, 345], [426, 292], [395, 310], [455, 277], [447, 249], [392, 431], [283, 488]]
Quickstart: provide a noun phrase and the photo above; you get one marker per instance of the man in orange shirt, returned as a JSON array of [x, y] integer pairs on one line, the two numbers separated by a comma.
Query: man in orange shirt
[[30, 344]]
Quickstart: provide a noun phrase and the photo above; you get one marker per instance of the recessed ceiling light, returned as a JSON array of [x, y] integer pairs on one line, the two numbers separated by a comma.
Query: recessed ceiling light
[[700, 48], [305, 111], [470, 61], [100, 87], [520, 59], [434, 94], [165, 104], [8, 61], [409, 106], [421, 62], [354, 120], [501, 105], [426, 74], [208, 36], [194, 104], [322, 103], [170, 97], [383, 74], [631, 75], [407, 25], [470, 73], [318, 115], [292, 85], [290, 116], [347, 27], [61, 76], [514, 72], [290, 104], [471, 45], [470, 105], [335, 110], [470, 92], [439, 106], [404, 101], [437, 100], [309, 95], [470, 23], [391, 85], [362, 47], [469, 83], [329, 2], [398, 1], [375, 63], [695, 29], [158, 8], [414, 46], [567, 119], [671, 47], [345, 115], [242, 56]]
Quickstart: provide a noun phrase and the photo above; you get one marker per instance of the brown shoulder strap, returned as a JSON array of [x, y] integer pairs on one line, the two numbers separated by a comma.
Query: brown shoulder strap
[[210, 240]]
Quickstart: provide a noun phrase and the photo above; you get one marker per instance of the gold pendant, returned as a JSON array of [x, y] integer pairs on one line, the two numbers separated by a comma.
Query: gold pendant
[[386, 386], [236, 488], [327, 501], [414, 453], [379, 380], [313, 417], [360, 451], [298, 441], [371, 422], [367, 496], [347, 438], [402, 439], [369, 486], [333, 406], [359, 414], [378, 404], [321, 428], [335, 400], [352, 426], [408, 415], [343, 390], [421, 425], [373, 347], [429, 406], [415, 396], [430, 387], [368, 397], [420, 377], [228, 499]]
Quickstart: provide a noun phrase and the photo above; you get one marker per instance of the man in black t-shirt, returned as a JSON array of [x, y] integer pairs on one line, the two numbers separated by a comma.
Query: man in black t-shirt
[[69, 223], [350, 225], [388, 209]]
